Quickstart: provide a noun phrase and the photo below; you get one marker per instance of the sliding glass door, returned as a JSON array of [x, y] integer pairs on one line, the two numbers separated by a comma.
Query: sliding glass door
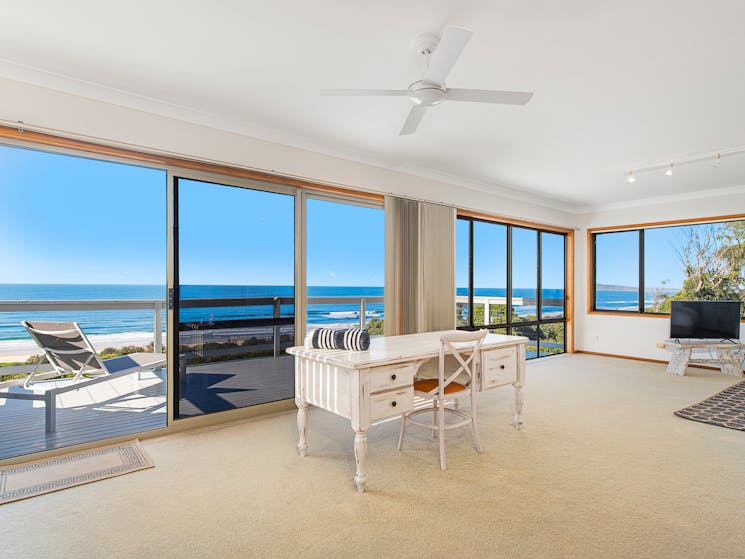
[[345, 246], [234, 296], [82, 245]]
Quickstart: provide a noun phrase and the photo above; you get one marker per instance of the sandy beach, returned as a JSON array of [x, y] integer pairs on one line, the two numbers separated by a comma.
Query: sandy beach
[[20, 350]]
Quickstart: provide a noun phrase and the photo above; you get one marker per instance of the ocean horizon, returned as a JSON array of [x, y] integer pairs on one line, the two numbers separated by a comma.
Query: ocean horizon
[[128, 321]]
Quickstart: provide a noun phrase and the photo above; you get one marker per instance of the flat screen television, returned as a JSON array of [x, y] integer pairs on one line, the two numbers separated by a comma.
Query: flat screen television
[[705, 319]]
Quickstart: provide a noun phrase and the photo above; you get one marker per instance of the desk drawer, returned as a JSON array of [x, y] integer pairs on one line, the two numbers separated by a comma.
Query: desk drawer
[[391, 376], [391, 403], [498, 367]]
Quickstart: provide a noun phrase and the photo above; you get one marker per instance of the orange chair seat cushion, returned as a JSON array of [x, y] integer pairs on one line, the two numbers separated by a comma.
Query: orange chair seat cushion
[[427, 385]]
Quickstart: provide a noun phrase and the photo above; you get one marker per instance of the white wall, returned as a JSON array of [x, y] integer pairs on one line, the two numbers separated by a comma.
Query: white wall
[[633, 335], [74, 115]]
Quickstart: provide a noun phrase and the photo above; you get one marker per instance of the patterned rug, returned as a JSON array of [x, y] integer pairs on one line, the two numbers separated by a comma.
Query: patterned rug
[[44, 476], [725, 409]]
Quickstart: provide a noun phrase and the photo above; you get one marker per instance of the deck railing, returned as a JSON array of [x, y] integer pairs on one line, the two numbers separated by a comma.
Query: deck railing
[[276, 321], [516, 302]]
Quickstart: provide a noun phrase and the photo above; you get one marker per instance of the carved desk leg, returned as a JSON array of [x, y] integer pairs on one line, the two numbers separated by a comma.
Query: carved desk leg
[[302, 426], [519, 401], [679, 361], [519, 396], [302, 406], [360, 456]]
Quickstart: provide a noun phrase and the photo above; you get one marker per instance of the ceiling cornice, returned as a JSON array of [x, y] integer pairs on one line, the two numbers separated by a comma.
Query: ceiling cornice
[[508, 191], [656, 200]]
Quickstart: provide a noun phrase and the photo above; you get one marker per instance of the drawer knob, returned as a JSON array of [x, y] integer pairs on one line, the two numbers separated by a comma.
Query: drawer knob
[[393, 403], [501, 366], [393, 377]]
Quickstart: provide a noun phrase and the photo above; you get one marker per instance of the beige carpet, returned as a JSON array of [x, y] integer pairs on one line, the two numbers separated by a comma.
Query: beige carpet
[[602, 469], [40, 477]]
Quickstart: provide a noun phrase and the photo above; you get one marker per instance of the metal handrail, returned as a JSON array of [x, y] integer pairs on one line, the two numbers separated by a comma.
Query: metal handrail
[[79, 305], [157, 305], [501, 300]]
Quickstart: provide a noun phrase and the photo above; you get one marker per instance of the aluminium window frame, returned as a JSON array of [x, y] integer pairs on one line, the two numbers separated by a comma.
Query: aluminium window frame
[[183, 166], [509, 325]]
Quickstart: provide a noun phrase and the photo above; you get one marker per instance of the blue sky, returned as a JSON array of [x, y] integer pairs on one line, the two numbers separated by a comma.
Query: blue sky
[[345, 244], [617, 257], [490, 257], [75, 220]]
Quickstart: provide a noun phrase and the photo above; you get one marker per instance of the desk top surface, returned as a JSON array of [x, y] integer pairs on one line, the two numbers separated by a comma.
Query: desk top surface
[[392, 349]]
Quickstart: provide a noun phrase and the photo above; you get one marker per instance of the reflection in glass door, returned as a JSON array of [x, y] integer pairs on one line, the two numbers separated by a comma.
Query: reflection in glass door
[[235, 297]]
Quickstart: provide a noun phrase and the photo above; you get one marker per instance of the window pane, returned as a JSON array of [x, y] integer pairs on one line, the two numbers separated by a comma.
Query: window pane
[[663, 270], [552, 275], [531, 348], [236, 249], [489, 273], [693, 262], [462, 243], [489, 269], [80, 233], [340, 269], [617, 271], [524, 274], [552, 338]]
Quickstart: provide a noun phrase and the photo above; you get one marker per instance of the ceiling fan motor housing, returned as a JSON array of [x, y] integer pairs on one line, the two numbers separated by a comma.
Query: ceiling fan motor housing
[[426, 43], [426, 94]]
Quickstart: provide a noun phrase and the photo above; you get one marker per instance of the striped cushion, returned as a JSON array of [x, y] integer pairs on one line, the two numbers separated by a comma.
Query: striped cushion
[[355, 339]]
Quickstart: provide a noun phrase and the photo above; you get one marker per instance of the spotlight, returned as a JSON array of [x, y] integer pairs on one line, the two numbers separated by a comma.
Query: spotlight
[[669, 171], [631, 178]]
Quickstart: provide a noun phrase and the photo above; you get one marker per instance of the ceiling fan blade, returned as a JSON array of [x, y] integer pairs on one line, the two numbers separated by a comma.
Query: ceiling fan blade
[[412, 121], [489, 96], [366, 92], [452, 43]]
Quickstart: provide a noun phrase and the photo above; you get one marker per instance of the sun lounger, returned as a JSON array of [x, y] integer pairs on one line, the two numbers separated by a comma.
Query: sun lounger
[[70, 353]]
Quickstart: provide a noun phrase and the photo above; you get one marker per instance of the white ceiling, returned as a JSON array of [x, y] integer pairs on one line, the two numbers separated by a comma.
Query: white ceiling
[[617, 85]]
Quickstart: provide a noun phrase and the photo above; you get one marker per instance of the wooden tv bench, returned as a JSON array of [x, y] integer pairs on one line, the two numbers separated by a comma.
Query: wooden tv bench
[[688, 351]]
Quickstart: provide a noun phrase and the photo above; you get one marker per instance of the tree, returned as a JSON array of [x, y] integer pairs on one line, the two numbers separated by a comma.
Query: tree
[[660, 295], [713, 260], [552, 332], [497, 314], [375, 326]]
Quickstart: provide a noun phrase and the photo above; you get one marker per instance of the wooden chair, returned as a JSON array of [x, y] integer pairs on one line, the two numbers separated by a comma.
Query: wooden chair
[[459, 383]]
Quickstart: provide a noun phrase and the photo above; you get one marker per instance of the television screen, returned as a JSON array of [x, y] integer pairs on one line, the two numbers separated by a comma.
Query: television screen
[[705, 319]]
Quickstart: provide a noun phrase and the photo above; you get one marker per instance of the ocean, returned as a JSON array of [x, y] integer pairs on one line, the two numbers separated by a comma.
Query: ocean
[[126, 321]]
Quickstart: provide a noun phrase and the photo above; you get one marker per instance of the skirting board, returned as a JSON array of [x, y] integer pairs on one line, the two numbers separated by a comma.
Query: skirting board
[[647, 359]]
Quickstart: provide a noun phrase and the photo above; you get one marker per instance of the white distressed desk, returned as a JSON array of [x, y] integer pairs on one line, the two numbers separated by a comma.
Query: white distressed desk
[[367, 386], [684, 352]]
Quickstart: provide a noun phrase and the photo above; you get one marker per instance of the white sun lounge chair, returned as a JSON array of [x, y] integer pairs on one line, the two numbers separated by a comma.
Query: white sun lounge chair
[[69, 352]]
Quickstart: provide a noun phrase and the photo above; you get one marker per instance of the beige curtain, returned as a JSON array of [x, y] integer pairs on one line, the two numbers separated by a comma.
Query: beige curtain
[[419, 266]]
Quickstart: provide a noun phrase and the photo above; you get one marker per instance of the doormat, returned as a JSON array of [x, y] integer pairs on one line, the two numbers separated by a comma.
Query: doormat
[[44, 476]]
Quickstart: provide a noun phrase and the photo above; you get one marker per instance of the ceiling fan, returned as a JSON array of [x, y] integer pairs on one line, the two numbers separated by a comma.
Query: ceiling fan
[[441, 55]]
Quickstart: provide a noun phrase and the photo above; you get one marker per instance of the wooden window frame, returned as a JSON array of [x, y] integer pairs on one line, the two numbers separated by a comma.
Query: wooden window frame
[[591, 232], [38, 139]]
